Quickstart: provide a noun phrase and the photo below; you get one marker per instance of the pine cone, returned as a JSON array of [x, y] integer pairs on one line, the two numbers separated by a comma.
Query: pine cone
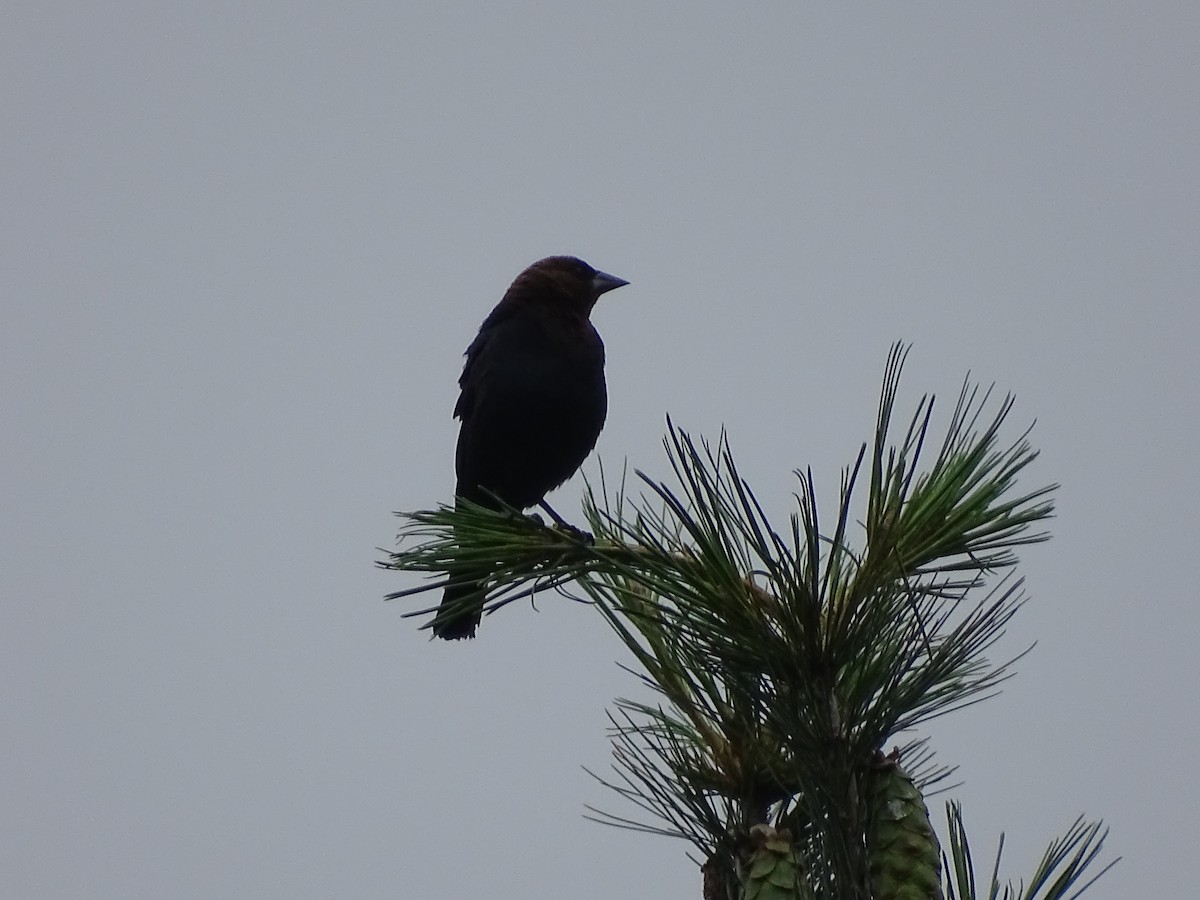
[[772, 870], [902, 850]]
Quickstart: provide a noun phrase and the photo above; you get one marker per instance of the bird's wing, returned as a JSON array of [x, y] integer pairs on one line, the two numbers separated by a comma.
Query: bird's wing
[[470, 379]]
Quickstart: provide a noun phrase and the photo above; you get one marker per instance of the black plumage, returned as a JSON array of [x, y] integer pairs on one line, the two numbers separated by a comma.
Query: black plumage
[[532, 403]]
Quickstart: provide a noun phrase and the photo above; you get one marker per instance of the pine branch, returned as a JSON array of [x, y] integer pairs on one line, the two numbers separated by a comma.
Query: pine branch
[[783, 660]]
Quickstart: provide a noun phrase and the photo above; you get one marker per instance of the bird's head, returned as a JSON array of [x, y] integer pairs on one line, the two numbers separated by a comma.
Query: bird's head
[[565, 281]]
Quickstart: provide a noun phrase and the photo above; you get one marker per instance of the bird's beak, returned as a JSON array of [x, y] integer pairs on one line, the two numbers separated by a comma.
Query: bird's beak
[[602, 283]]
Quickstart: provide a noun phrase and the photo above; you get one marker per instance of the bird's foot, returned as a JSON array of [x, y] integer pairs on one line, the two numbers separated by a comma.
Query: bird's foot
[[584, 537], [566, 527]]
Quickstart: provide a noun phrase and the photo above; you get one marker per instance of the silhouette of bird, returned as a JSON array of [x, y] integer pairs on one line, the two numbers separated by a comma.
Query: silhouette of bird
[[532, 404]]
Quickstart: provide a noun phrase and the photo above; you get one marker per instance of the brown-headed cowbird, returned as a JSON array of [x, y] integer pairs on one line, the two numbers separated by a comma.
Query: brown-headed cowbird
[[532, 404]]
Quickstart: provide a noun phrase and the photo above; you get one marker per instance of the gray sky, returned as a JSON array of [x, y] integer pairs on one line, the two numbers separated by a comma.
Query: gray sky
[[243, 249]]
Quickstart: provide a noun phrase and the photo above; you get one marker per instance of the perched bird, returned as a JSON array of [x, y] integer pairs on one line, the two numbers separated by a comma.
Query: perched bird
[[532, 403]]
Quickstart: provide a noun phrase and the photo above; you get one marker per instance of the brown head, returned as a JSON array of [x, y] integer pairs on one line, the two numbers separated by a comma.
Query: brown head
[[564, 281]]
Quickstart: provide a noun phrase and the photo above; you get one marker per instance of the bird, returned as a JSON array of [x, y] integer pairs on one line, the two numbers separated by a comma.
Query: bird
[[531, 404]]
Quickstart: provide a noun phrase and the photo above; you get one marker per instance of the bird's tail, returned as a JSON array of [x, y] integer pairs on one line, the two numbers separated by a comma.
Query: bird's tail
[[466, 592], [461, 609]]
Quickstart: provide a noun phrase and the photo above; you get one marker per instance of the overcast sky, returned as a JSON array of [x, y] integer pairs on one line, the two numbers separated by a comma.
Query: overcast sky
[[244, 246]]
